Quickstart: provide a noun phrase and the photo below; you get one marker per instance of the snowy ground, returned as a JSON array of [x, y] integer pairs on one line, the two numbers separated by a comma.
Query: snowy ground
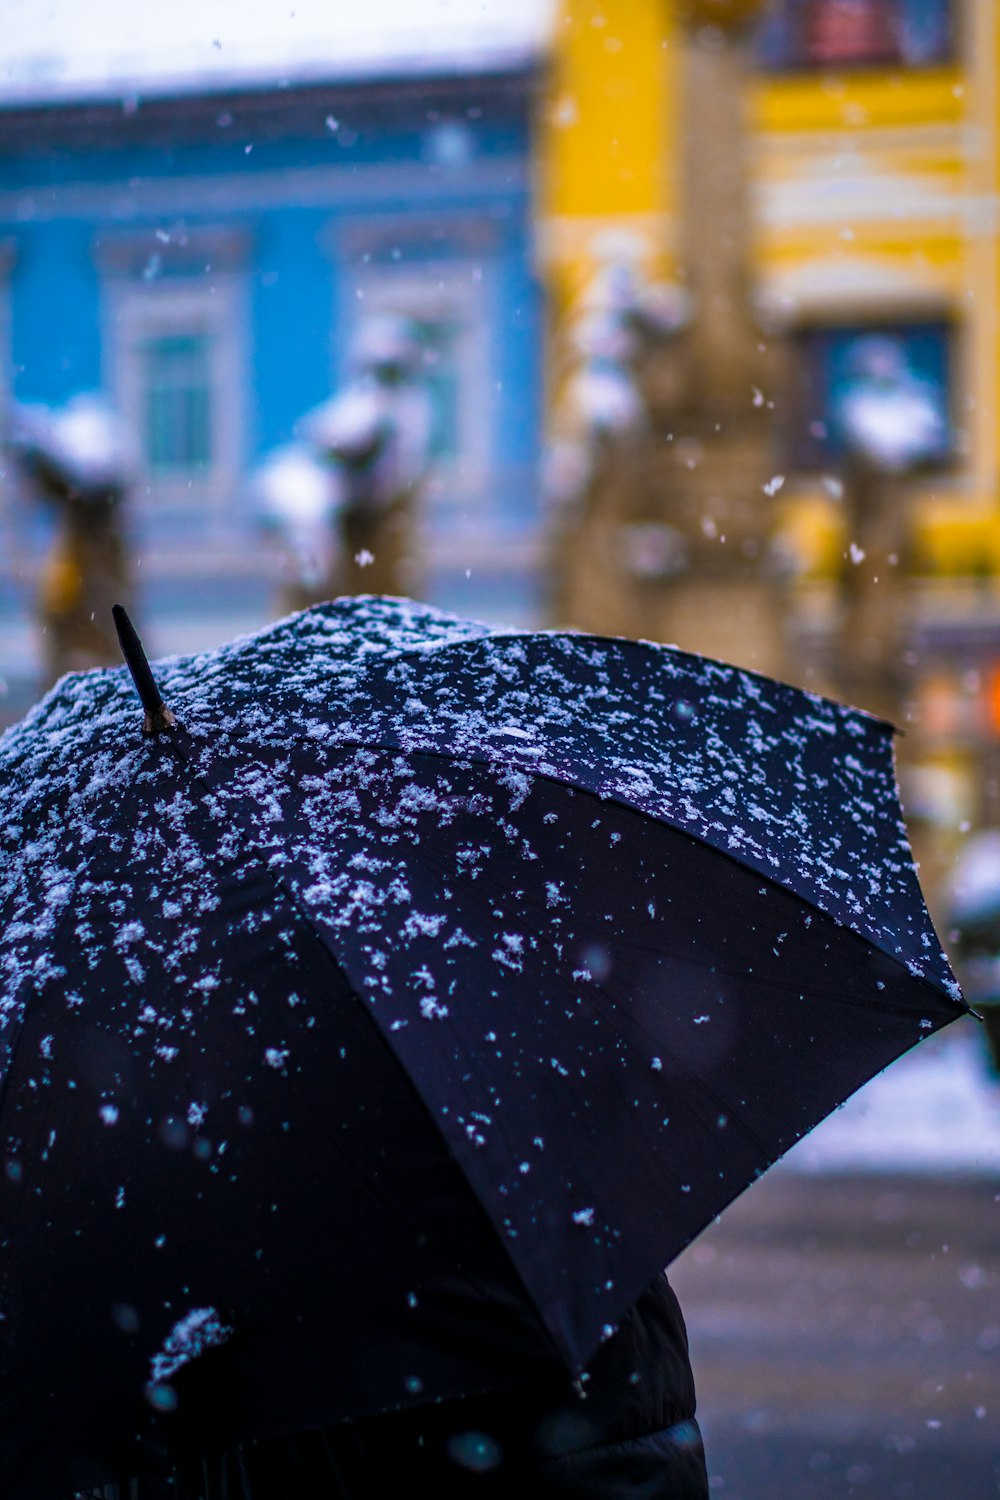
[[935, 1110]]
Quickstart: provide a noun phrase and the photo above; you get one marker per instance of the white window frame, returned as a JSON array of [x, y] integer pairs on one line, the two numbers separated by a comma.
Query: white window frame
[[211, 307]]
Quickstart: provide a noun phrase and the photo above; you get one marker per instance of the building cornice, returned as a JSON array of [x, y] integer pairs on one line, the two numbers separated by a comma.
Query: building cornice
[[258, 113]]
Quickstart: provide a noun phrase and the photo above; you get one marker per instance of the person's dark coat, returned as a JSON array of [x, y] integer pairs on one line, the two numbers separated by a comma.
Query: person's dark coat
[[626, 1431]]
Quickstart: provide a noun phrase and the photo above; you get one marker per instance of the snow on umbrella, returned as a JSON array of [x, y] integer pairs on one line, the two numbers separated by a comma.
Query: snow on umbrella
[[379, 1025]]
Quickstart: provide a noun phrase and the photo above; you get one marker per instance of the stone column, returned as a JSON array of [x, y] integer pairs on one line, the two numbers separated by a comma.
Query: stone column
[[713, 477]]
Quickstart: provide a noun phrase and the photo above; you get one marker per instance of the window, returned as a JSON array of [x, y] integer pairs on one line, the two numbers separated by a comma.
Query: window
[[174, 351], [176, 380], [439, 337], [856, 33], [905, 368]]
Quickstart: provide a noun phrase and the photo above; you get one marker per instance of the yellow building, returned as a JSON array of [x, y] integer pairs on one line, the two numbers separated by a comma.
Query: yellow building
[[874, 187], [874, 180]]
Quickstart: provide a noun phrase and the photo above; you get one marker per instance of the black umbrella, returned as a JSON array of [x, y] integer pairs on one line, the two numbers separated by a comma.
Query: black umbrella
[[377, 1028]]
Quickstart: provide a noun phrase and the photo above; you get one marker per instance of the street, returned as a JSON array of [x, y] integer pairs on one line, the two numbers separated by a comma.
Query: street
[[845, 1336]]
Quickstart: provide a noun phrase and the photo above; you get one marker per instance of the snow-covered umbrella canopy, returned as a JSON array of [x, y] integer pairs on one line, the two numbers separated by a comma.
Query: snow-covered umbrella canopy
[[611, 924]]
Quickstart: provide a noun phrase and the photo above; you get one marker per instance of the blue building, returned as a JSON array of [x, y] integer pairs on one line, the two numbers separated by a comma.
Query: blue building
[[202, 253]]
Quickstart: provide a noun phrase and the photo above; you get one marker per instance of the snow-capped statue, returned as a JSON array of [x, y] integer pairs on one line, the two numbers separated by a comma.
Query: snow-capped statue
[[80, 452], [79, 459], [603, 388], [890, 418], [376, 434], [624, 329], [295, 495], [621, 314]]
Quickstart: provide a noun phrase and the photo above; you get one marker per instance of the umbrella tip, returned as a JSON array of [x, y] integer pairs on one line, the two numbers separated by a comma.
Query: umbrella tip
[[157, 715]]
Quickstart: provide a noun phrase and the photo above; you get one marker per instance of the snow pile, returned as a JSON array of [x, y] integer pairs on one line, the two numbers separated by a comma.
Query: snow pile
[[936, 1110]]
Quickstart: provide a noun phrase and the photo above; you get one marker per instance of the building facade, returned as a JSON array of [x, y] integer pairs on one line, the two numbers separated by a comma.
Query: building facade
[[203, 257]]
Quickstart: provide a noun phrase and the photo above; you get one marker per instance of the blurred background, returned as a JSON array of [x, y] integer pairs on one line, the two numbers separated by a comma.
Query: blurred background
[[671, 318]]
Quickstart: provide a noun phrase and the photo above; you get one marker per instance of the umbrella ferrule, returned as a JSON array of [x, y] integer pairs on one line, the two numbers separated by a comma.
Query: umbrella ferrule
[[158, 719], [158, 716]]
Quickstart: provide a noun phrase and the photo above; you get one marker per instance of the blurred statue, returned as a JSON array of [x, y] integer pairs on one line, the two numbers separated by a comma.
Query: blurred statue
[[376, 434], [77, 458], [891, 424], [974, 914], [601, 428], [296, 497], [621, 314]]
